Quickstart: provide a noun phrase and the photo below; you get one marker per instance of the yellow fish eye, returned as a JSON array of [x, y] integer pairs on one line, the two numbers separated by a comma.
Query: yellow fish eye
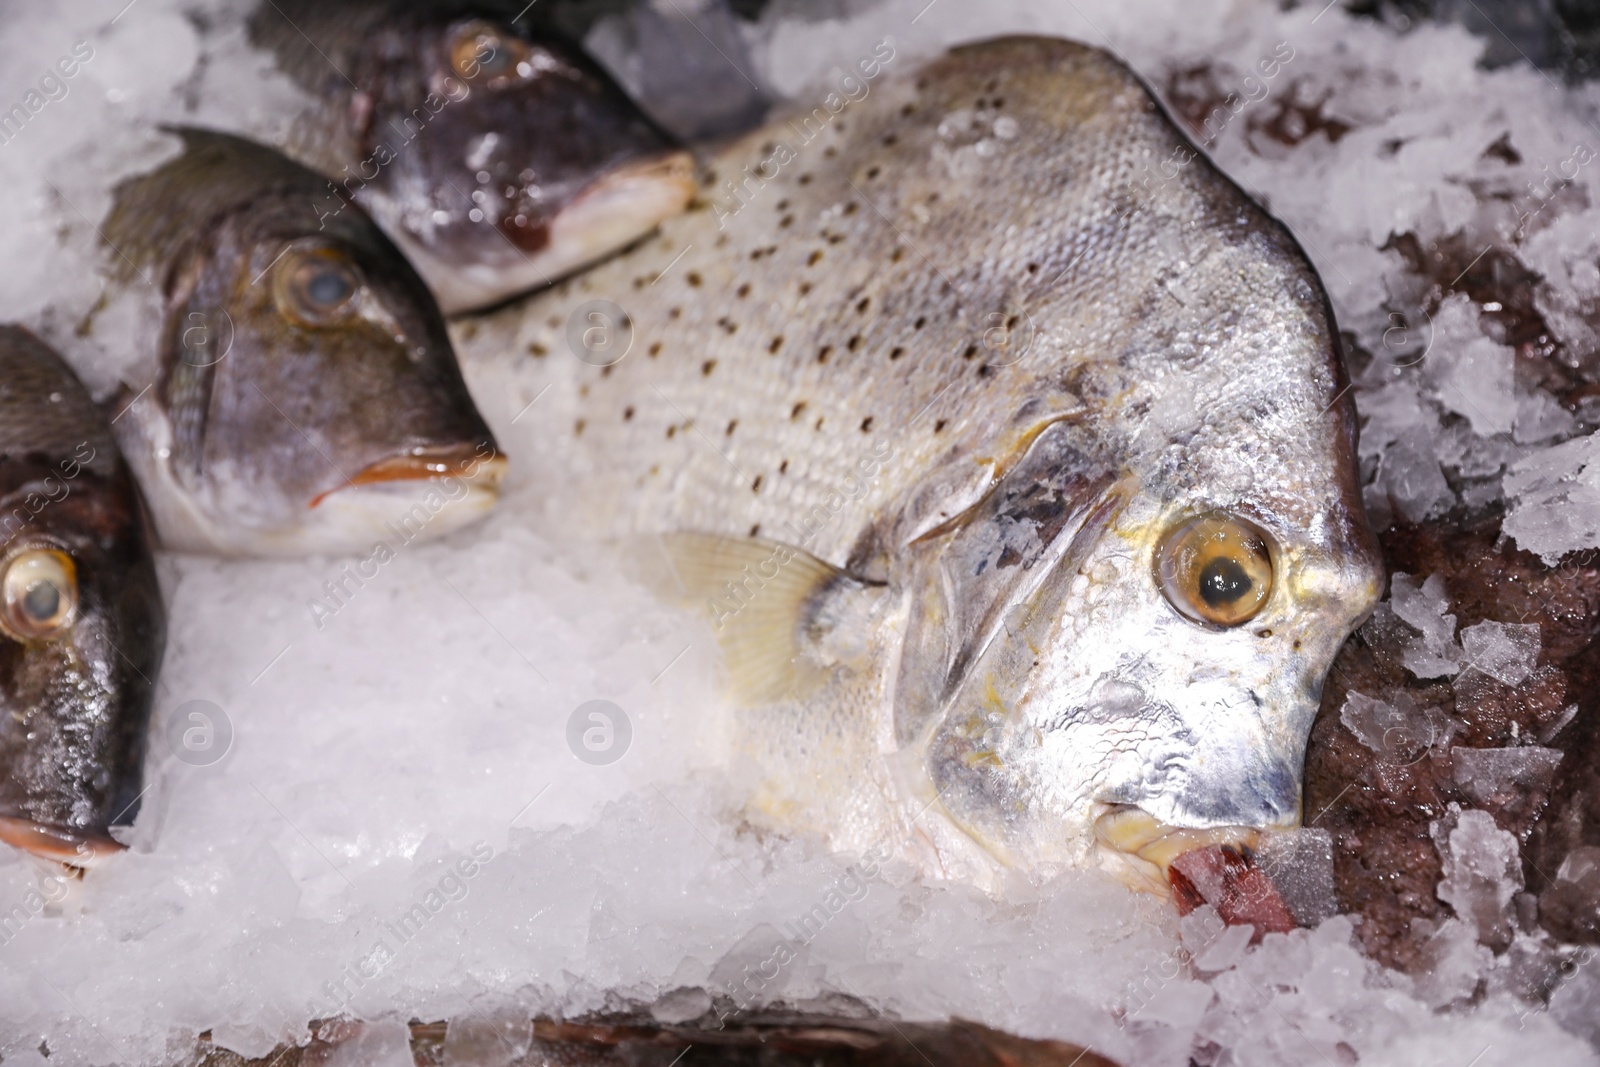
[[479, 49], [38, 594], [1215, 568], [316, 286]]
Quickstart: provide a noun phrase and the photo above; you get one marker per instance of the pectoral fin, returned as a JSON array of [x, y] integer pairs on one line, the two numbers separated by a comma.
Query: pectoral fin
[[783, 618]]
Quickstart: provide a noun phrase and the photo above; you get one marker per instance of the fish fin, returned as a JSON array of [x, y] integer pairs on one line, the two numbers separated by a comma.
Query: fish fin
[[774, 608], [943, 507]]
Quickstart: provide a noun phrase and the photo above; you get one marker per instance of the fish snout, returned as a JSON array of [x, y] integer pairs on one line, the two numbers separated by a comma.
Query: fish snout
[[75, 848]]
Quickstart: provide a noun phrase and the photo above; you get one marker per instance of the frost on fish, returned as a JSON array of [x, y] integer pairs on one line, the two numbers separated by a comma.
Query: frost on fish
[[1074, 424]]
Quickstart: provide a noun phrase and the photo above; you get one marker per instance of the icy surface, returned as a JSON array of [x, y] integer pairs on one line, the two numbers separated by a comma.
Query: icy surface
[[319, 865]]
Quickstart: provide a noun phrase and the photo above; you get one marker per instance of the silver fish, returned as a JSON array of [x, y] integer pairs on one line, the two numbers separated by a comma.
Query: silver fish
[[1008, 446]]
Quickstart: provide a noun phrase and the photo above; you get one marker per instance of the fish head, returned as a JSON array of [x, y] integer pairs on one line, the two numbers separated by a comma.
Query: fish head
[[1138, 618], [309, 398], [82, 625], [1160, 649], [505, 158]]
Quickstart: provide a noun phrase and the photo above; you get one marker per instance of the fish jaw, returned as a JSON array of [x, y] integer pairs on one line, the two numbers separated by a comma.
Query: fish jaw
[[405, 498], [614, 210], [75, 848], [1137, 849]]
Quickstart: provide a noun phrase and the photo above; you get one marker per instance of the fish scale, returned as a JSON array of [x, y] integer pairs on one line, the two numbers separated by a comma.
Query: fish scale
[[991, 641]]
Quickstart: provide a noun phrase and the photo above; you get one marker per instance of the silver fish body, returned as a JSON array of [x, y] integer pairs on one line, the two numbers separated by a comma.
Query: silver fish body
[[967, 421]]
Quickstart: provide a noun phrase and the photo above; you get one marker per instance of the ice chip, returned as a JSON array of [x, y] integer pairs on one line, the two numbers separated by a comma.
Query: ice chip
[[1470, 373], [1576, 1002], [1554, 499], [1227, 950], [1398, 734], [1410, 474], [1482, 872], [1451, 965], [1434, 653], [1300, 864], [476, 1040], [1541, 418], [1494, 777], [1505, 651], [681, 1006], [374, 1044]]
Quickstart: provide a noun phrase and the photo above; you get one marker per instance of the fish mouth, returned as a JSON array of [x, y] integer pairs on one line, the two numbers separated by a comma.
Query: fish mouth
[[1138, 849], [621, 205], [75, 848], [479, 474]]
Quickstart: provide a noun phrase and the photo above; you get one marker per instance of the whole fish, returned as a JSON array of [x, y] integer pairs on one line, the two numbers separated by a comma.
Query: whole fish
[[302, 394], [498, 156], [81, 621], [1007, 445]]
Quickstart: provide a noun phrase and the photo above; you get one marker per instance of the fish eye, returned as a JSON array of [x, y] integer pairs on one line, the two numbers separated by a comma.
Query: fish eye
[[480, 49], [38, 594], [1215, 568], [316, 286]]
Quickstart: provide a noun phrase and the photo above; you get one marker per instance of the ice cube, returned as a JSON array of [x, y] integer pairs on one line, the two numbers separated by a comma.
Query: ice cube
[[1505, 651], [477, 1040], [1494, 777], [1424, 607], [1300, 864], [1554, 499], [1575, 1004], [1482, 872], [1470, 374], [1541, 418], [373, 1044], [1451, 964]]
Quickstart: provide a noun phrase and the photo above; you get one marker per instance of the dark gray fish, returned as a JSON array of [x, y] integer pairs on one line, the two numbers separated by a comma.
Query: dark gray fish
[[81, 621], [304, 396], [498, 157]]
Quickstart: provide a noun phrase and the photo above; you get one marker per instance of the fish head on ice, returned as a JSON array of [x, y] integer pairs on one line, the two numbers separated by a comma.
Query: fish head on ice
[[1129, 630], [308, 398], [497, 154], [1138, 619], [81, 620]]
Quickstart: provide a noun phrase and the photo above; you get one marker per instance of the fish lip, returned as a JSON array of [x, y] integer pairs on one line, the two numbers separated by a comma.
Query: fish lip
[[671, 172], [477, 471], [620, 206], [75, 848], [1138, 849]]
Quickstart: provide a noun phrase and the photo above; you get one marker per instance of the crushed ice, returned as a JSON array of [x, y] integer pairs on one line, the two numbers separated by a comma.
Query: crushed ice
[[291, 878]]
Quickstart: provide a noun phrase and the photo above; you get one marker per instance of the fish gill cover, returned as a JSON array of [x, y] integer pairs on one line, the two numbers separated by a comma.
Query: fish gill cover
[[314, 715]]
